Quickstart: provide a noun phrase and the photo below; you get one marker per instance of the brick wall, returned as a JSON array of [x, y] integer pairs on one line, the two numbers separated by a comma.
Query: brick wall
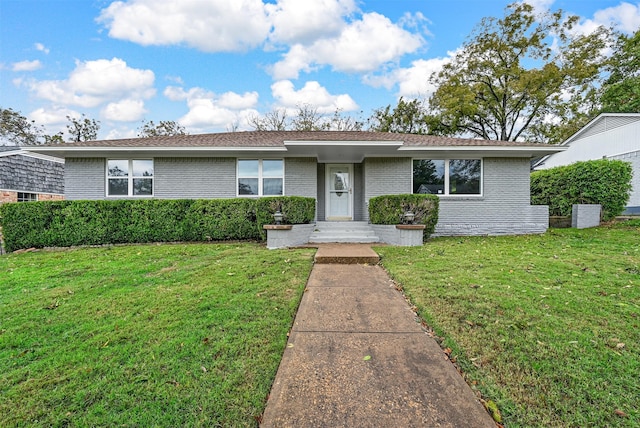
[[10, 196], [44, 197], [6, 196]]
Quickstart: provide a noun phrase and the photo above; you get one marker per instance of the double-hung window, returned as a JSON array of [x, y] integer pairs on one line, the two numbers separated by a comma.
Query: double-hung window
[[447, 176], [260, 177], [130, 177]]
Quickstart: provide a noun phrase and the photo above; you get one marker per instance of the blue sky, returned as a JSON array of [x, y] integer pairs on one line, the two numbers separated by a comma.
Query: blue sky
[[212, 64]]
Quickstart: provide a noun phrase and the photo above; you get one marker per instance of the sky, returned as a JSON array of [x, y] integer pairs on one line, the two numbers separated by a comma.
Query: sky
[[210, 65]]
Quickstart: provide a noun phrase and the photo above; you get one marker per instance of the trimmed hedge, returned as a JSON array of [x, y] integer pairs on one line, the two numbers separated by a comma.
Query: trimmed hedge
[[606, 182], [390, 209], [67, 223]]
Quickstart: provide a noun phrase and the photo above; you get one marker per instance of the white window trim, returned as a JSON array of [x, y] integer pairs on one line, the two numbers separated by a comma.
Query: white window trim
[[446, 193], [260, 177], [130, 177], [28, 199]]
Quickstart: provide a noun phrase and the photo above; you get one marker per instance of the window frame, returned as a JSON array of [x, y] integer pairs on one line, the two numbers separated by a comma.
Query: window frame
[[261, 177], [130, 178], [447, 177], [30, 197]]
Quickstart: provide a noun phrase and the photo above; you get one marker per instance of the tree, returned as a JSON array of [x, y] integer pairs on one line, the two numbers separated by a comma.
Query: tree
[[339, 122], [275, 120], [408, 117], [163, 128], [17, 130], [82, 129], [307, 118], [621, 91], [518, 74]]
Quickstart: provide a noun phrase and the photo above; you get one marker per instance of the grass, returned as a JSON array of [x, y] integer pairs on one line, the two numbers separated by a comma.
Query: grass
[[149, 335], [548, 327]]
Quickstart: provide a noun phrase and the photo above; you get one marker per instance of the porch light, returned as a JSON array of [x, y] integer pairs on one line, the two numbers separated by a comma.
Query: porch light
[[277, 216], [409, 217]]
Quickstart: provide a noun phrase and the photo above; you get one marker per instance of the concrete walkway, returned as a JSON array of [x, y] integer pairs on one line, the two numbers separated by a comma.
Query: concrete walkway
[[358, 357]]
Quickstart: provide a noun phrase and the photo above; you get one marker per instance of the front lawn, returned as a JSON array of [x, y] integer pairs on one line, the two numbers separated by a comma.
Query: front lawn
[[147, 335], [546, 326]]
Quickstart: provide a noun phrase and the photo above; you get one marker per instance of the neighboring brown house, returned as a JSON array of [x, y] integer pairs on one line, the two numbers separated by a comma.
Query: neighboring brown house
[[26, 176]]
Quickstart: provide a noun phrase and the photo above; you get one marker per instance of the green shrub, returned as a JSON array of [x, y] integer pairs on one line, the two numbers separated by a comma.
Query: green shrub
[[605, 182], [223, 219], [390, 209], [68, 223], [295, 210]]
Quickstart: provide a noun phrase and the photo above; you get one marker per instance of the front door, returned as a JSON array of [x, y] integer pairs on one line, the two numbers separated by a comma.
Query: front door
[[339, 192]]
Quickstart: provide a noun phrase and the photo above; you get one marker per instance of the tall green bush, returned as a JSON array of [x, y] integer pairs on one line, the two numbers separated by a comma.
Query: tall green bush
[[68, 223], [390, 209], [603, 181]]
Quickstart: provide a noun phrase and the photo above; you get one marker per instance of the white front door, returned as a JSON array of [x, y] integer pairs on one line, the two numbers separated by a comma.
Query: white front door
[[339, 192]]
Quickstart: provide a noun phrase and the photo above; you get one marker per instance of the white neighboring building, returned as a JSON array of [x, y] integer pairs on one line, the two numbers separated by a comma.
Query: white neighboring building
[[608, 136]]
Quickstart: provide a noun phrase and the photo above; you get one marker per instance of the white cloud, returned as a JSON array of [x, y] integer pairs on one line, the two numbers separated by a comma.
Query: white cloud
[[26, 65], [237, 102], [120, 133], [412, 82], [209, 111], [93, 83], [315, 33], [126, 110], [362, 46], [624, 17], [296, 21], [54, 118], [211, 26], [42, 48], [313, 94], [540, 6]]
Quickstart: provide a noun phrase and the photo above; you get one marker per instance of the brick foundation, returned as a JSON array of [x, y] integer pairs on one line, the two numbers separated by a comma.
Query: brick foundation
[[8, 196]]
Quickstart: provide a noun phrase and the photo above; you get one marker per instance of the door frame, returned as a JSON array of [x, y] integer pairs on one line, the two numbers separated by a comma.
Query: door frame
[[349, 167]]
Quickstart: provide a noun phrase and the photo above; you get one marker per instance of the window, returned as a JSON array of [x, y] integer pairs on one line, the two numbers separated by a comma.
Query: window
[[447, 176], [260, 177], [27, 197], [130, 177]]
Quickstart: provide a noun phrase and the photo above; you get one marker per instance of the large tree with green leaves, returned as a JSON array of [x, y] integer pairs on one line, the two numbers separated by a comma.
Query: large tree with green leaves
[[517, 77], [407, 117], [17, 130], [621, 91]]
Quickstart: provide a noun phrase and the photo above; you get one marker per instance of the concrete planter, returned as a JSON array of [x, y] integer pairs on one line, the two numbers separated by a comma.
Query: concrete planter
[[287, 235], [585, 215], [403, 235]]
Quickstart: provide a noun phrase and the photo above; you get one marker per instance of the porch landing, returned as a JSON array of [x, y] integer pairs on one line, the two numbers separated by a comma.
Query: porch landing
[[343, 231]]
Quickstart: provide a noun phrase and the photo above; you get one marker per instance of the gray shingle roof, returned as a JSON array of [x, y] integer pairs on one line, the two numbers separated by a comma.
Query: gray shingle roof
[[260, 139]]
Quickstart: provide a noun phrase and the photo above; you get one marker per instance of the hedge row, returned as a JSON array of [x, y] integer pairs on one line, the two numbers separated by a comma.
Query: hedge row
[[67, 223], [605, 182], [390, 209]]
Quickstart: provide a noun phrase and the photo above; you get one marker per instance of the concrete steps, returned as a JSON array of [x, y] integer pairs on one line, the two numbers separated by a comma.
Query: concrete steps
[[344, 232], [346, 254]]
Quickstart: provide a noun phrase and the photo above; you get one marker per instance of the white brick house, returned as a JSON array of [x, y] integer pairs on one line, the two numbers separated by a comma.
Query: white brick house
[[483, 185]]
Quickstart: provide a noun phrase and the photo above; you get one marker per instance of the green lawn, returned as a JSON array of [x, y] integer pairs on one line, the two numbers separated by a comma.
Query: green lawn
[[148, 335], [546, 326]]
